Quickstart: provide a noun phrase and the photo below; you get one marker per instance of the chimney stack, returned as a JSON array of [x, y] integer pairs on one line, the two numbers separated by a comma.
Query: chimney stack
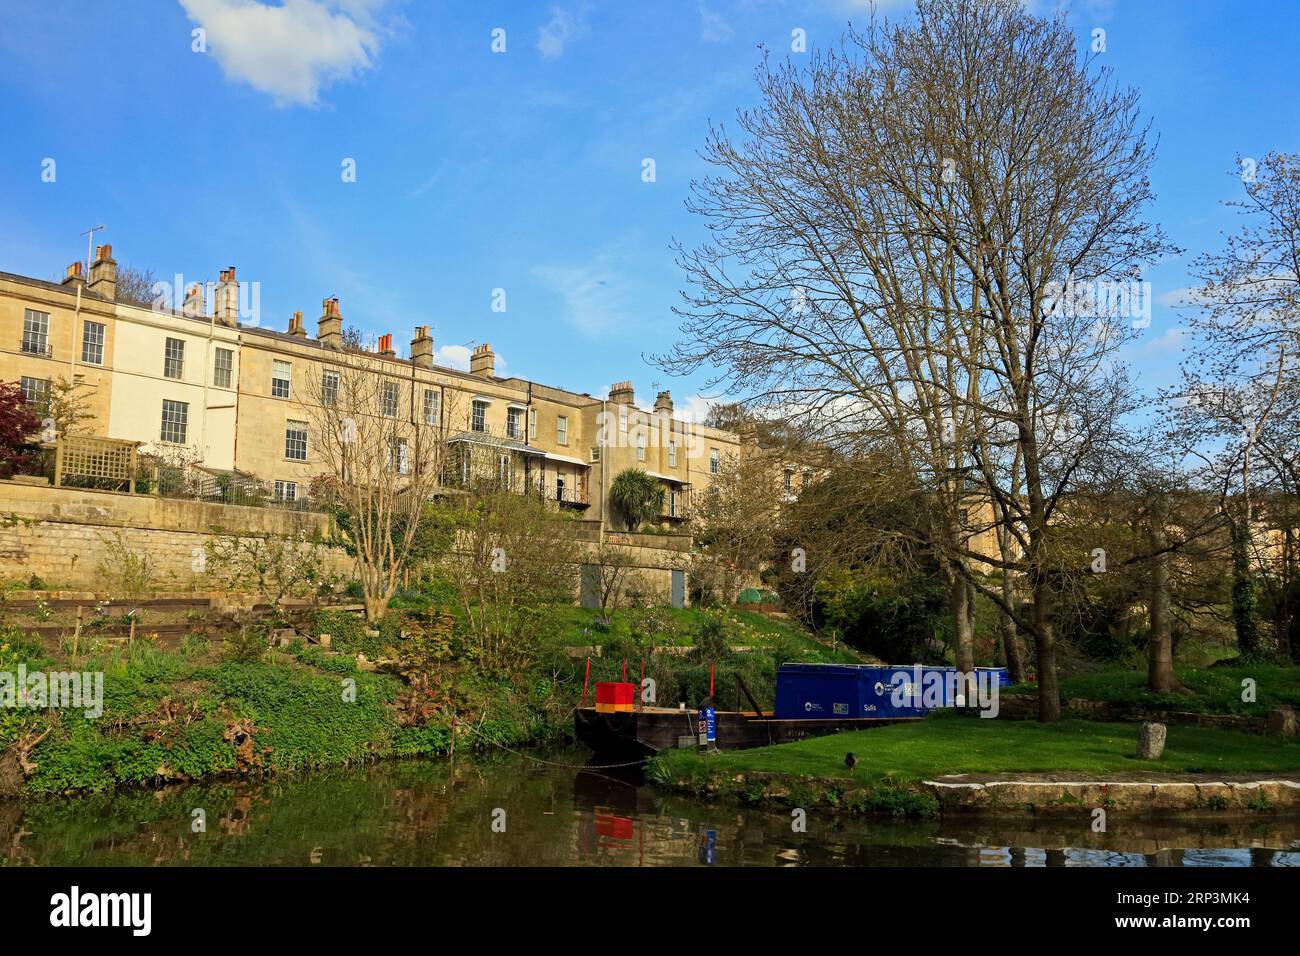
[[422, 347], [481, 361], [295, 325], [329, 328], [620, 393], [385, 347], [664, 403], [74, 276], [227, 304], [195, 305], [103, 273]]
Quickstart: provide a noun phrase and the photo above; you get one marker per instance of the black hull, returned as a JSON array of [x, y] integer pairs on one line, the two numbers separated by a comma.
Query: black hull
[[645, 732]]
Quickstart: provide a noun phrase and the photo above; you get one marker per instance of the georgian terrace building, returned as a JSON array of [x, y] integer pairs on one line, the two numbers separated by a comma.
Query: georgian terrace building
[[196, 386]]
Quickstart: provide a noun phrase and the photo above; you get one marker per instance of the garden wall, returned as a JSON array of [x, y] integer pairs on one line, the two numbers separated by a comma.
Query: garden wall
[[65, 535]]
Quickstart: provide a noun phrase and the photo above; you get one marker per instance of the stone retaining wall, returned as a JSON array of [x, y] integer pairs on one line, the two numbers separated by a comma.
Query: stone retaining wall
[[1066, 797], [70, 537]]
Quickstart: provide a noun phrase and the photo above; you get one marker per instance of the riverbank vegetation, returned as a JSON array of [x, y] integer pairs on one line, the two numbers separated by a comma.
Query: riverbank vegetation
[[222, 700]]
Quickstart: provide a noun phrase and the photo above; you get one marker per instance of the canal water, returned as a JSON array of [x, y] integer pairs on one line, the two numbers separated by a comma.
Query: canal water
[[515, 811]]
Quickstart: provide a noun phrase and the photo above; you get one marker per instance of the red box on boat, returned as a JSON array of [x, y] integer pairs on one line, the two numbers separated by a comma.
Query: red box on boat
[[614, 696]]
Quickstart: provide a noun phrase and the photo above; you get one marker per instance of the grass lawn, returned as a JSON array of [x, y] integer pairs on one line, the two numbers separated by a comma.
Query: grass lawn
[[1217, 690], [946, 744]]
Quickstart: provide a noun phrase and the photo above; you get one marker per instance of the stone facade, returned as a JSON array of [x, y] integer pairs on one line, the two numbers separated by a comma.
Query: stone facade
[[241, 386]]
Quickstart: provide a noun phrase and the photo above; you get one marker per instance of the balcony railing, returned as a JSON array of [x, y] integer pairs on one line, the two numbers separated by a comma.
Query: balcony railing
[[568, 496]]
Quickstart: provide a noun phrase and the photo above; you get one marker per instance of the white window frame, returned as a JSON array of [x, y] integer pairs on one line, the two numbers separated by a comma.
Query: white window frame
[[640, 445], [174, 352], [36, 332], [532, 424], [478, 415], [399, 456], [562, 429], [291, 440], [672, 454], [715, 461], [286, 490], [329, 388], [281, 378], [390, 400], [92, 342], [183, 421], [432, 406], [36, 391], [218, 368], [515, 422]]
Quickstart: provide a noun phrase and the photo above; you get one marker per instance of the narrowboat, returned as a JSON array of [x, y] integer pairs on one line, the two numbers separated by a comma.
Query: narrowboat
[[812, 700]]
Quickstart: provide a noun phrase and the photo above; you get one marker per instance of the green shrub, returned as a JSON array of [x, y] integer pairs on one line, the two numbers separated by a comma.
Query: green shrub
[[248, 643]]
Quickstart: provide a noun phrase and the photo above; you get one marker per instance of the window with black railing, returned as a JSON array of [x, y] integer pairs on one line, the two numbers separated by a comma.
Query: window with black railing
[[36, 332]]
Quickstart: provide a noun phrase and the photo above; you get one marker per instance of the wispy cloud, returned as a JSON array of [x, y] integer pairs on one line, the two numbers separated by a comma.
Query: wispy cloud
[[1182, 298], [694, 408], [563, 27], [598, 295], [291, 51], [714, 27], [1170, 341]]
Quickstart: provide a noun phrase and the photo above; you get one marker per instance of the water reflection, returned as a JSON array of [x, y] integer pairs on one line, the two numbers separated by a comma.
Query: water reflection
[[437, 813]]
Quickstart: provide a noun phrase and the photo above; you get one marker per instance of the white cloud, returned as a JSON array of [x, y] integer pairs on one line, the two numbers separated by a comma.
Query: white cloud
[[293, 51], [597, 295], [554, 35], [1179, 298], [452, 356], [693, 408], [1171, 340], [457, 357], [714, 27]]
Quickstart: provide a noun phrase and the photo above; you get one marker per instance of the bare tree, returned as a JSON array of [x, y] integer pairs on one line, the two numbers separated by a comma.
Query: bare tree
[[613, 565], [1236, 406], [733, 523], [885, 246], [136, 285], [382, 464], [512, 556]]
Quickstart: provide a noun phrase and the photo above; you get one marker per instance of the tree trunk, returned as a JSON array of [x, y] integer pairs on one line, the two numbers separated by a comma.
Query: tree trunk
[[1049, 692], [963, 641], [375, 607], [1007, 629], [1010, 638], [1160, 648], [1245, 595]]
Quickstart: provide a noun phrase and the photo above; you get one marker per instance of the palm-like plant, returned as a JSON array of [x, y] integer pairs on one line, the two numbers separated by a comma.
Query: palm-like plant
[[637, 495]]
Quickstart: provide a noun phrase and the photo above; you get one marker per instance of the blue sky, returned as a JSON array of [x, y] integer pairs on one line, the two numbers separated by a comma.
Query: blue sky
[[519, 170]]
